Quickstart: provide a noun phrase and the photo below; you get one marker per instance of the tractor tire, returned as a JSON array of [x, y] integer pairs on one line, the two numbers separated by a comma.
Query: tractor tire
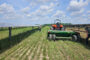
[[54, 37], [50, 36], [79, 37], [74, 37]]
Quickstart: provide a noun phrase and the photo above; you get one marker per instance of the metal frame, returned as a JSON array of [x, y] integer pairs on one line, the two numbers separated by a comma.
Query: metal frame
[[57, 20]]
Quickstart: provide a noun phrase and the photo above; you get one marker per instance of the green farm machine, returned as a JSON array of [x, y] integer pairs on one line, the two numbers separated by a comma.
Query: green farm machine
[[58, 30]]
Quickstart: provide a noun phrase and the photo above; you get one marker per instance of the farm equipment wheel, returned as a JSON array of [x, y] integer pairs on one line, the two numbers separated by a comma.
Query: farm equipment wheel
[[50, 37], [79, 37], [74, 37], [54, 37]]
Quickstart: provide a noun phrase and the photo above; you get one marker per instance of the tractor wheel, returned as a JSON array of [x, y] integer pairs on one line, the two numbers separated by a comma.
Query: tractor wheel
[[74, 37], [79, 37], [50, 36], [54, 37]]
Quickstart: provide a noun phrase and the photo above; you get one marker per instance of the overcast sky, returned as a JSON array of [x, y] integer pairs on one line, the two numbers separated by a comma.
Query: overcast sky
[[28, 12]]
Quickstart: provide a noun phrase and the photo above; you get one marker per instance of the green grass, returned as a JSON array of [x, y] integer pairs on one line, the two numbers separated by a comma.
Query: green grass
[[48, 50], [18, 35], [15, 31]]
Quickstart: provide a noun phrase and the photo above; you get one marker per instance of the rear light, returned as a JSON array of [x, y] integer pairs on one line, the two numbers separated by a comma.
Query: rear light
[[48, 31]]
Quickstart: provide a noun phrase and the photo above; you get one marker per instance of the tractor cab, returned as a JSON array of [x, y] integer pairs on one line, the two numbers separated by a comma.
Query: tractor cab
[[57, 25]]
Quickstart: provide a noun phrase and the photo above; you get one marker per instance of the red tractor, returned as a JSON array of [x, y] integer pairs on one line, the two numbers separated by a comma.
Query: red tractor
[[57, 30], [57, 26]]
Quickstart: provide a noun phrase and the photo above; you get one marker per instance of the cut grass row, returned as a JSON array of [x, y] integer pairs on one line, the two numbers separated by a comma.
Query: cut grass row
[[38, 47], [17, 36]]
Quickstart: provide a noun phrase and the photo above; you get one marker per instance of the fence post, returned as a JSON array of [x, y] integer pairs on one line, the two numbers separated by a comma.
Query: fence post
[[32, 27], [10, 32]]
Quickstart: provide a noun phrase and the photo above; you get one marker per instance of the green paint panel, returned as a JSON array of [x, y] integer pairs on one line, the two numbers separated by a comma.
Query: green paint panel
[[61, 33]]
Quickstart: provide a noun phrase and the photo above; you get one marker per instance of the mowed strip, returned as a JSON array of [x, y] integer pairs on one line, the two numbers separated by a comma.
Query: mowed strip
[[38, 47], [20, 49]]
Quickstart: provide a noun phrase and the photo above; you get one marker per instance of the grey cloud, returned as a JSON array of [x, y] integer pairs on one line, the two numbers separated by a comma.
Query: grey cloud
[[77, 7]]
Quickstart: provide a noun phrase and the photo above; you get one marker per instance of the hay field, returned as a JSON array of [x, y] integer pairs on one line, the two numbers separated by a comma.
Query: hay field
[[36, 46]]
